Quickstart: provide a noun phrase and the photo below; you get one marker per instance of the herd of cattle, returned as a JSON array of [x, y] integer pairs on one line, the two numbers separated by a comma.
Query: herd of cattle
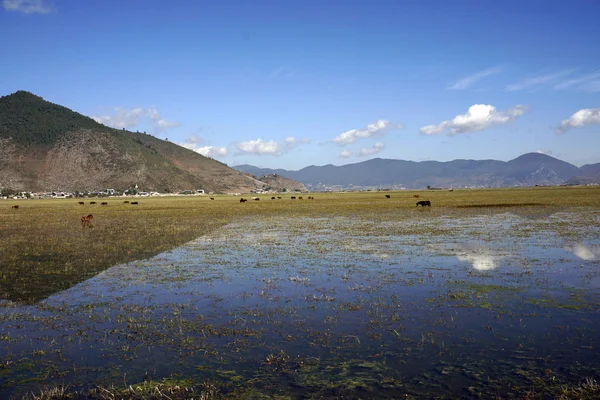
[[85, 220]]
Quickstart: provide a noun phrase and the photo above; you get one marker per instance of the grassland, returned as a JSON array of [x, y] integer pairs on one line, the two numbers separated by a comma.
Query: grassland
[[344, 296], [45, 249]]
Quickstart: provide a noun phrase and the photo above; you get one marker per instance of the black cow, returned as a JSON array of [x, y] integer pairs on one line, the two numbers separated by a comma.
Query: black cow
[[104, 203], [424, 203], [92, 202], [81, 202], [242, 200], [134, 203], [212, 198], [293, 197], [387, 196]]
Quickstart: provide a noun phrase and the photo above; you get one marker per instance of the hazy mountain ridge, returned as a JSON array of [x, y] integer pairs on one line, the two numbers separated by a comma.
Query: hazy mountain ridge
[[45, 146], [526, 170]]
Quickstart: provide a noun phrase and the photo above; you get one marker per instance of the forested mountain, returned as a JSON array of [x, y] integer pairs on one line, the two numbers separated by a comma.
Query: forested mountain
[[45, 146]]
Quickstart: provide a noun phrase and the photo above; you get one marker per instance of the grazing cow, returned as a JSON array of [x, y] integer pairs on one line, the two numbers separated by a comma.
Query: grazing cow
[[134, 203], [82, 203], [126, 202], [279, 197], [87, 221], [256, 198], [243, 200], [311, 198], [104, 203], [424, 203], [293, 197], [92, 202], [416, 196], [272, 198], [212, 198], [300, 198], [15, 206], [387, 196]]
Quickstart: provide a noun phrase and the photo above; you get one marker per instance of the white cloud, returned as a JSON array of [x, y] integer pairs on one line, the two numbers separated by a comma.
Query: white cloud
[[128, 118], [207, 151], [477, 118], [469, 80], [260, 146], [345, 153], [587, 116], [372, 150], [353, 135], [27, 6], [270, 147], [538, 80], [193, 142]]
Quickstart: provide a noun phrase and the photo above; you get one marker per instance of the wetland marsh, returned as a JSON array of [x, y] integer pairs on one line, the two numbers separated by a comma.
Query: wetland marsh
[[347, 296]]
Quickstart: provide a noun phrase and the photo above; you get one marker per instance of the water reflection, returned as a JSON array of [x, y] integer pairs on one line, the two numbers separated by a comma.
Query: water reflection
[[481, 258], [583, 251]]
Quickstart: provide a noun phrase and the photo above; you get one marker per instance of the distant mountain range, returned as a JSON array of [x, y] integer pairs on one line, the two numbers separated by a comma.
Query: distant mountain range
[[527, 170]]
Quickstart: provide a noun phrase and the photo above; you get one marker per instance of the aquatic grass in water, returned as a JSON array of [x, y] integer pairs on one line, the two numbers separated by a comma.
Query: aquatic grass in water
[[381, 304]]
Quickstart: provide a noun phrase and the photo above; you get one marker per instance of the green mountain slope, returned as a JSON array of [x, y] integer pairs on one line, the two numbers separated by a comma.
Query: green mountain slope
[[45, 146]]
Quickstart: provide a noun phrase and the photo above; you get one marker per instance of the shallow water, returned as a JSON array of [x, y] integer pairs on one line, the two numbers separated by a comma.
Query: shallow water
[[424, 305]]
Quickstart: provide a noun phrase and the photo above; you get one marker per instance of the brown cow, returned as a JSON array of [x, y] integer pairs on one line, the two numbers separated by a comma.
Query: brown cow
[[416, 196], [104, 203], [279, 197], [87, 221], [126, 202], [92, 202], [82, 203], [15, 206]]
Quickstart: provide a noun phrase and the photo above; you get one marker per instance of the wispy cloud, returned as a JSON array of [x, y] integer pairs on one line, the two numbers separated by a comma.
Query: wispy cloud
[[129, 118], [27, 6], [538, 80], [373, 129], [586, 116], [465, 82], [477, 118], [588, 83], [371, 150]]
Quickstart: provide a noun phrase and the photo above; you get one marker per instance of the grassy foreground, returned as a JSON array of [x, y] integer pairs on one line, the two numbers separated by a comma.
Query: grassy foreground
[[45, 248]]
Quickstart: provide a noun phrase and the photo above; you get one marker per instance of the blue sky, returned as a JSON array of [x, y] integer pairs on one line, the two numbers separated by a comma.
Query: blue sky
[[289, 83]]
